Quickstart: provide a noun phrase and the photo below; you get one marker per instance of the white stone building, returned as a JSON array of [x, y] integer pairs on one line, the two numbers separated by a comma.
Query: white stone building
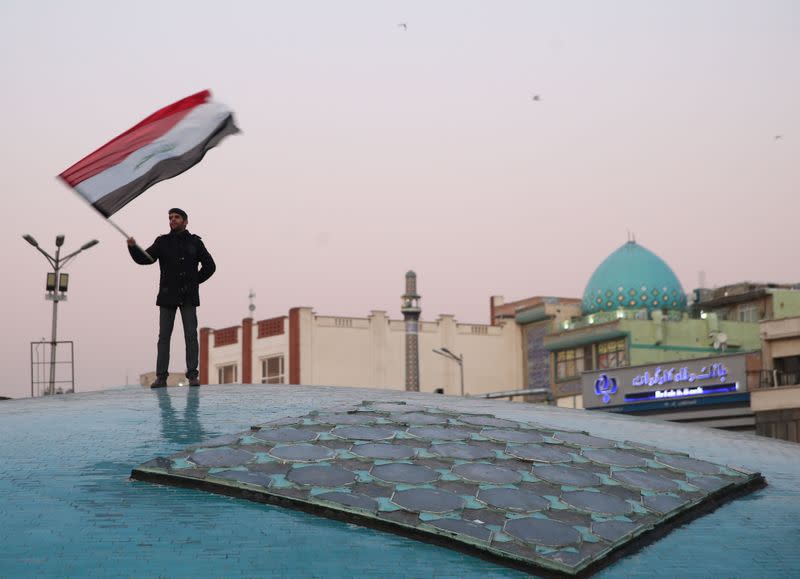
[[304, 347]]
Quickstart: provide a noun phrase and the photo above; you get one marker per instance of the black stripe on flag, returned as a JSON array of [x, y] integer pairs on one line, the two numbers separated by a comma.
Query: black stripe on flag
[[115, 200]]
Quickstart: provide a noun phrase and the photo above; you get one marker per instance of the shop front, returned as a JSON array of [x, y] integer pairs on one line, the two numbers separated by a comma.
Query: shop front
[[712, 391]]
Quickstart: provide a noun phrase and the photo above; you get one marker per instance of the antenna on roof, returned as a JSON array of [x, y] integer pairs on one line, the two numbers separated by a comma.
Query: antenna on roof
[[252, 306]]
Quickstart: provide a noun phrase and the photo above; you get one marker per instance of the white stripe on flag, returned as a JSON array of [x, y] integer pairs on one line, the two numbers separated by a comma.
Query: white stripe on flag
[[187, 134]]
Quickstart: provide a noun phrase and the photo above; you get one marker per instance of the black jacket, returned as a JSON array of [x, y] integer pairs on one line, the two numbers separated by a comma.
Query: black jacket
[[178, 255]]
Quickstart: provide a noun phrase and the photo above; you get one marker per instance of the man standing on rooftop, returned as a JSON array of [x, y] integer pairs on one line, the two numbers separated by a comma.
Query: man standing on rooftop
[[185, 263]]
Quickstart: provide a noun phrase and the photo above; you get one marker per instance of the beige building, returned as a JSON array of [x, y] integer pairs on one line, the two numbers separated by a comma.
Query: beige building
[[776, 403], [536, 317], [748, 301], [307, 348]]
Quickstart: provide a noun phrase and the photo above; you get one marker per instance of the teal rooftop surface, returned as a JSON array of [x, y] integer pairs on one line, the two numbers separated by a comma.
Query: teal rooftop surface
[[69, 508]]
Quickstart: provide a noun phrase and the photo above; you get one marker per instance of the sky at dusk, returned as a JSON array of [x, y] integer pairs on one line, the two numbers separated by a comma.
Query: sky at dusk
[[369, 148]]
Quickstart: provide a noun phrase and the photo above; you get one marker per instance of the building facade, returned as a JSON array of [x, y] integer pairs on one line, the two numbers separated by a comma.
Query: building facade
[[634, 312], [748, 302], [375, 352], [776, 402], [714, 391], [536, 317], [633, 325]]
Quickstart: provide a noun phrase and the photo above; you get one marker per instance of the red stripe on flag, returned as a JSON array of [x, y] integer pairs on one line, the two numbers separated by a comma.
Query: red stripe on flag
[[147, 131]]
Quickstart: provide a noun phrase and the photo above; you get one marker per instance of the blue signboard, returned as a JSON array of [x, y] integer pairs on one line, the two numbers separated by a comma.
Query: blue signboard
[[680, 380]]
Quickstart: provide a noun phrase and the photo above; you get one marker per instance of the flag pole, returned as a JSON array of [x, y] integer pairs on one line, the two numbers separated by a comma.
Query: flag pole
[[107, 218], [118, 228]]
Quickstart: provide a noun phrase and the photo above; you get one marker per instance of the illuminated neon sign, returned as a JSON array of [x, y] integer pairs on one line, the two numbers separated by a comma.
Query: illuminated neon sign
[[675, 376], [605, 386], [681, 392]]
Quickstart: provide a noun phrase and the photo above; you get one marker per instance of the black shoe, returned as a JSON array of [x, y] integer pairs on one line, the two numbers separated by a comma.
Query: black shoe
[[160, 382], [195, 381]]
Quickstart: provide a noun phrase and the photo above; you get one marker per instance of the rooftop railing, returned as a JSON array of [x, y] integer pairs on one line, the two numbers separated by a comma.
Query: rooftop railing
[[775, 378]]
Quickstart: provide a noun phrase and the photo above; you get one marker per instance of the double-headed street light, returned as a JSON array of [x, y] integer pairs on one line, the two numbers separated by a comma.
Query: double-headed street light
[[56, 287], [457, 359]]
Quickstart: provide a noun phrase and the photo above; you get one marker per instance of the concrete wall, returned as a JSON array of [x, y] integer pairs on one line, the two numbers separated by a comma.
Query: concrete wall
[[267, 347], [370, 352], [780, 398], [777, 407], [339, 352], [570, 401], [223, 356], [785, 303], [780, 339], [654, 341]]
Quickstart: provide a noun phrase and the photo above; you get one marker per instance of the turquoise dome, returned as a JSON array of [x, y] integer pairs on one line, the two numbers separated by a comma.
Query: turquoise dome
[[633, 277]]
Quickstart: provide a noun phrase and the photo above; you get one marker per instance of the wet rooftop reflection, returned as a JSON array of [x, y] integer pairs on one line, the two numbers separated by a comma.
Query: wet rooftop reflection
[[69, 509]]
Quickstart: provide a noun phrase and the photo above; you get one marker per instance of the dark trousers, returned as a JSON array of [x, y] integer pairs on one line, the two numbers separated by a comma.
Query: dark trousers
[[166, 322]]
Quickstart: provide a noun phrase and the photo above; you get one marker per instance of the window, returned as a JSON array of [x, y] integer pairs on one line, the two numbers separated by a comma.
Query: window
[[272, 370], [788, 370], [748, 313], [227, 374], [571, 363], [611, 354]]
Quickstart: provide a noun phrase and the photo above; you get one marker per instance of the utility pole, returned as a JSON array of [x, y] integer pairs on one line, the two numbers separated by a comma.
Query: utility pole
[[458, 359], [56, 286]]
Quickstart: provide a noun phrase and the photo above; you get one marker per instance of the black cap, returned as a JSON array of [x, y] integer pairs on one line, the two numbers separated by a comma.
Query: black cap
[[180, 212]]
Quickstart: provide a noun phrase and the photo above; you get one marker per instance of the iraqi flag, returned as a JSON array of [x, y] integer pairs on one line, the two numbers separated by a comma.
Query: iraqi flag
[[164, 145]]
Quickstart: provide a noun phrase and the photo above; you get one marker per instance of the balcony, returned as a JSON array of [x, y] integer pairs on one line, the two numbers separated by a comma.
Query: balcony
[[777, 378]]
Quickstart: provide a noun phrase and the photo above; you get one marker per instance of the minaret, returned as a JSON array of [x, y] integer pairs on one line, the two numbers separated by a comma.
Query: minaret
[[411, 311]]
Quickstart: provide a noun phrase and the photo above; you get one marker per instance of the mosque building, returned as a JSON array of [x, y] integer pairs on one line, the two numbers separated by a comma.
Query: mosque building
[[634, 328], [635, 344]]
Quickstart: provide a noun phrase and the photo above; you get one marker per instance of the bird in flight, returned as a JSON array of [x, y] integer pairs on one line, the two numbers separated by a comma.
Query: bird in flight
[[536, 98], [404, 26], [778, 137]]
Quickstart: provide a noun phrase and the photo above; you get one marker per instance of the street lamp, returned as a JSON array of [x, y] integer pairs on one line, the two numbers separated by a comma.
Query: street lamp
[[457, 359], [56, 287]]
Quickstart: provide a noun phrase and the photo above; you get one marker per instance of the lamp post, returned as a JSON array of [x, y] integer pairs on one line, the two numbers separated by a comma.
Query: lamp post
[[457, 359], [56, 287]]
